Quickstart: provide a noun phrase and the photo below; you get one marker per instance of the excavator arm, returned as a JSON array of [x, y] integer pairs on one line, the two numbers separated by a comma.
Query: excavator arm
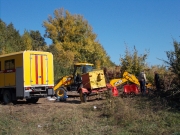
[[118, 82], [66, 80], [126, 77]]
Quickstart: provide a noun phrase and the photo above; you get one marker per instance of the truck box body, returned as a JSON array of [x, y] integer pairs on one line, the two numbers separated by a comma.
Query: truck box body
[[27, 74]]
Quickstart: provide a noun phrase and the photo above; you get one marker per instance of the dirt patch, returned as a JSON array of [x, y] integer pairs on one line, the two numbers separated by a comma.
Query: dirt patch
[[44, 104]]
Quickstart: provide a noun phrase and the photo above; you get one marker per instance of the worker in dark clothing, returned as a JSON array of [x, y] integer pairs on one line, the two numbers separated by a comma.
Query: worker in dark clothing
[[142, 80], [156, 80]]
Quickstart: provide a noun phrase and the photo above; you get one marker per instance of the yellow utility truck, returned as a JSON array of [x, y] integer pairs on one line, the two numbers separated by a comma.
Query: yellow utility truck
[[26, 75]]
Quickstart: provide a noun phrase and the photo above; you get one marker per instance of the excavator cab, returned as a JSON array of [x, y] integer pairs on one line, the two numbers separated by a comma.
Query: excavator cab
[[79, 69], [82, 68]]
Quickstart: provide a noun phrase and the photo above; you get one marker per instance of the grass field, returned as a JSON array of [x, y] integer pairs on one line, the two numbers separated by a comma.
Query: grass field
[[112, 116]]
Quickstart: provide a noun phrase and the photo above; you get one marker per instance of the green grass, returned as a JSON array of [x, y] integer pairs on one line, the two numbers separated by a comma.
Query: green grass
[[115, 116]]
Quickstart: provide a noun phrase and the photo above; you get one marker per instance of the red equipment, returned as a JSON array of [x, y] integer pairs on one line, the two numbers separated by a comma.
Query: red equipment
[[115, 91], [131, 89]]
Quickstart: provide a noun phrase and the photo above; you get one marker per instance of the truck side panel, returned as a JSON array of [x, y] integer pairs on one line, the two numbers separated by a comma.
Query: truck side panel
[[1, 78], [8, 81], [8, 70], [19, 82]]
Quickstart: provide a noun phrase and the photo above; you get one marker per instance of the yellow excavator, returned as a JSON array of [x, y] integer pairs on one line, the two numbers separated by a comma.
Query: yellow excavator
[[84, 80], [127, 77]]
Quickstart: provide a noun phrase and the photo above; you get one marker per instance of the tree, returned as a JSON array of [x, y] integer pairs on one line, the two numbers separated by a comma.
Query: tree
[[38, 42], [174, 58], [2, 36], [27, 41], [10, 39], [62, 60], [74, 36], [133, 62]]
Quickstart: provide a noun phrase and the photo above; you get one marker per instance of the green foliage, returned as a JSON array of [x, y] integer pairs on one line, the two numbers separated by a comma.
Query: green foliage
[[27, 41], [33, 41], [38, 42], [174, 58], [132, 62], [10, 39], [165, 75], [63, 61], [74, 40]]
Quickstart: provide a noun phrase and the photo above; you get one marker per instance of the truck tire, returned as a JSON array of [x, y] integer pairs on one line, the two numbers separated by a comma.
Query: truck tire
[[7, 97], [61, 94], [32, 100]]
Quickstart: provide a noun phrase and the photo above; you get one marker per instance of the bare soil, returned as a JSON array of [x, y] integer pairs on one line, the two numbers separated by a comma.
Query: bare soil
[[44, 104]]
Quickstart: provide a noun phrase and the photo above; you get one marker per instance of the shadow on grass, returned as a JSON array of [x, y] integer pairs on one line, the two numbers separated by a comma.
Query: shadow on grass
[[20, 102]]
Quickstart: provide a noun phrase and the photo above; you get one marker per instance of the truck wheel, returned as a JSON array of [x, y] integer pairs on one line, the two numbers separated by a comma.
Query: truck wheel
[[32, 100], [7, 97], [61, 94]]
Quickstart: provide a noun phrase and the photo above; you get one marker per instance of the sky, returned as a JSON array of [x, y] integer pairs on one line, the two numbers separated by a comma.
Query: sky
[[149, 25]]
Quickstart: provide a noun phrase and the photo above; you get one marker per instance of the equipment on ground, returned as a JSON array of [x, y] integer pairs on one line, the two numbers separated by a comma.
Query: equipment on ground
[[84, 80], [26, 75], [127, 77]]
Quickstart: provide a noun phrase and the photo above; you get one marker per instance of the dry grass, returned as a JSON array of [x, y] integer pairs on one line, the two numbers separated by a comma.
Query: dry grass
[[116, 116]]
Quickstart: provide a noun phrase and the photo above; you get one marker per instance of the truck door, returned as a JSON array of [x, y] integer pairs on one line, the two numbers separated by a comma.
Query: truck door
[[39, 69]]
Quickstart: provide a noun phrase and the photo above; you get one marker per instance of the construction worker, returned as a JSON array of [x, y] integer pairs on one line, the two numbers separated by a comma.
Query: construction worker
[[156, 80], [142, 80]]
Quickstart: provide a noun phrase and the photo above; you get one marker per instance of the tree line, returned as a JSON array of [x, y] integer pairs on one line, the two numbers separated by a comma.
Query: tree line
[[73, 40]]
